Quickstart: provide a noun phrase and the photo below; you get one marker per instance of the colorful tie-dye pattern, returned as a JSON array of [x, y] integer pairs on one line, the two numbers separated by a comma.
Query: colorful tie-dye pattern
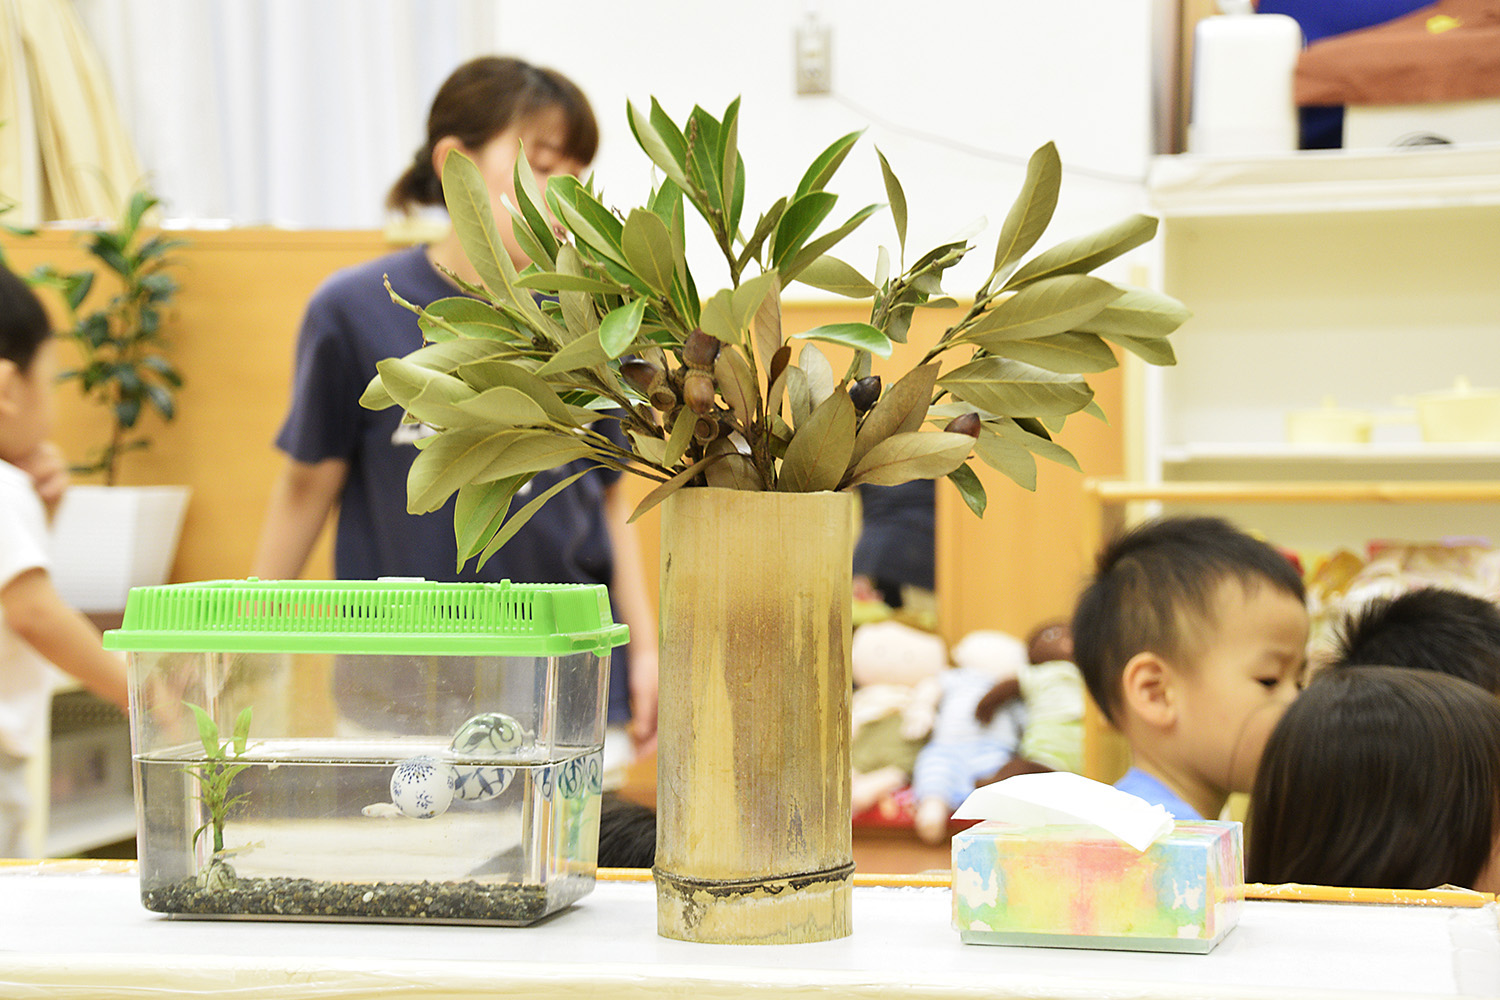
[[1075, 887]]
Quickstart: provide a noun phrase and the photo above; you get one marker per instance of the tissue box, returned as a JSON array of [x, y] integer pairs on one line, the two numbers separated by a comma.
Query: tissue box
[[1076, 887]]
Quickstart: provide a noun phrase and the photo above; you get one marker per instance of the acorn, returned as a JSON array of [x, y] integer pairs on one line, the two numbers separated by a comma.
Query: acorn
[[705, 429], [698, 391], [964, 423], [650, 381], [700, 350], [864, 392]]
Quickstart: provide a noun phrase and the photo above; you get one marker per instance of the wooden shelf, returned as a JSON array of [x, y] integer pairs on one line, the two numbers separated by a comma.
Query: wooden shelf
[[1394, 453], [1111, 493]]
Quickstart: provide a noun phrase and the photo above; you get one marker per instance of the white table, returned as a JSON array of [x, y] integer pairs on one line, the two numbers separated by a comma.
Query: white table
[[77, 934]]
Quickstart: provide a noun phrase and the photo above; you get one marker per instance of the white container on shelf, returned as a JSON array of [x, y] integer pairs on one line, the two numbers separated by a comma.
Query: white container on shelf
[[1243, 65]]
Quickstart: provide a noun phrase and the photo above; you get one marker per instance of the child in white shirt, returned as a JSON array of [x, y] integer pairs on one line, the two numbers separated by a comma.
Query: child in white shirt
[[36, 626]]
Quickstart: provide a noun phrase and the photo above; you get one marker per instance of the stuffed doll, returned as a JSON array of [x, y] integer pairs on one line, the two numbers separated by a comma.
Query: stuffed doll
[[1052, 689], [963, 749], [890, 662]]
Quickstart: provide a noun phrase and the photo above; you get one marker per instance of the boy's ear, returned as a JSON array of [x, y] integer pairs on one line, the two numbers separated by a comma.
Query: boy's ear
[[1147, 692], [11, 378]]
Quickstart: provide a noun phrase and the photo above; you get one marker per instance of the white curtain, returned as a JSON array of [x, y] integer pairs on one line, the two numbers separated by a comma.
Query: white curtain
[[63, 151], [297, 113]]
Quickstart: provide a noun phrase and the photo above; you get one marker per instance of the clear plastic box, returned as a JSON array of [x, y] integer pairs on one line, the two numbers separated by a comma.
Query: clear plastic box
[[394, 750]]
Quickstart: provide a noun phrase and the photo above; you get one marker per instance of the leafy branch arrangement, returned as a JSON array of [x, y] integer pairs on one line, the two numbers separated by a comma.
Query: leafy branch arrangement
[[215, 774], [610, 323], [123, 365]]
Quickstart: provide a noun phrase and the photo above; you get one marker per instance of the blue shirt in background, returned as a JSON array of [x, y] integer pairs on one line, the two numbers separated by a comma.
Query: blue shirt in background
[[1151, 788]]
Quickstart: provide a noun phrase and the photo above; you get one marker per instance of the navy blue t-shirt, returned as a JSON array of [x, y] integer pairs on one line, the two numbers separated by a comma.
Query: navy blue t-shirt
[[350, 324]]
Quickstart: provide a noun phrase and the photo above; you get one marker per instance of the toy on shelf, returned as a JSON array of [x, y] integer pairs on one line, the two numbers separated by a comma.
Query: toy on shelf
[[891, 661]]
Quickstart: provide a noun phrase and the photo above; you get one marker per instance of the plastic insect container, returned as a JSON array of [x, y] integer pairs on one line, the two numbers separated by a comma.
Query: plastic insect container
[[387, 751]]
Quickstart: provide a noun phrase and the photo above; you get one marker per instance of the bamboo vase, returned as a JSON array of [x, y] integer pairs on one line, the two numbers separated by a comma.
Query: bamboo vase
[[753, 841]]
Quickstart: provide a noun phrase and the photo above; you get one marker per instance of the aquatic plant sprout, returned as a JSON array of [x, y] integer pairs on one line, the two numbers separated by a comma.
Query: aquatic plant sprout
[[215, 774]]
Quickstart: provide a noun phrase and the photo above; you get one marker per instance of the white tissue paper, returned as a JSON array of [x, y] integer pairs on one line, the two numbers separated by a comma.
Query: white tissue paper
[[1060, 797]]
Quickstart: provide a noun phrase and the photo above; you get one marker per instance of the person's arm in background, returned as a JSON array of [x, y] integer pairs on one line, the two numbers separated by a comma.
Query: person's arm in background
[[36, 613], [631, 595], [302, 499]]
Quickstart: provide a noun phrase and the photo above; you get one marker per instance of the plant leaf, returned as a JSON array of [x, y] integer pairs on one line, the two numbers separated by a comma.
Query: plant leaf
[[1087, 252], [818, 454], [672, 485], [1015, 389], [896, 197], [900, 409], [818, 247], [735, 471], [584, 352], [717, 318], [617, 330], [820, 379], [406, 382], [208, 731], [484, 375], [648, 249], [823, 166], [529, 202], [763, 228], [504, 406], [1158, 351], [556, 281], [520, 517], [1007, 457], [798, 223], [737, 385], [748, 298], [860, 336], [970, 488], [765, 327], [729, 161], [1139, 313], [468, 201], [1039, 444], [798, 395], [901, 458], [1043, 308], [586, 218], [471, 318], [833, 275], [479, 512], [680, 436], [459, 457], [1071, 353], [1030, 214], [666, 149], [241, 733]]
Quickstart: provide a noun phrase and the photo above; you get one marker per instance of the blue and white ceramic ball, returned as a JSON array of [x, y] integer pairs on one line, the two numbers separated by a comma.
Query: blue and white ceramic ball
[[422, 787], [476, 784], [492, 734]]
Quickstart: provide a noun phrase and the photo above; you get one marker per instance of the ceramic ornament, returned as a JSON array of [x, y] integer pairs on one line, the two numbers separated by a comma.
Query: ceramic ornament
[[475, 784], [492, 734], [422, 787]]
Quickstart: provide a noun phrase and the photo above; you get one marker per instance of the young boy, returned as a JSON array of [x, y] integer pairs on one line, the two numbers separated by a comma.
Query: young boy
[[37, 626], [1191, 638], [1432, 629]]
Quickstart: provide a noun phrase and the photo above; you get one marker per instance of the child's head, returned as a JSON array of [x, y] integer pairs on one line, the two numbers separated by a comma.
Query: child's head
[[489, 109], [1431, 629], [26, 369], [1381, 776], [1190, 638]]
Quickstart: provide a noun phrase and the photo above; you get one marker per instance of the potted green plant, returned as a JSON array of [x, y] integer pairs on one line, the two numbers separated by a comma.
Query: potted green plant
[[754, 439], [108, 538]]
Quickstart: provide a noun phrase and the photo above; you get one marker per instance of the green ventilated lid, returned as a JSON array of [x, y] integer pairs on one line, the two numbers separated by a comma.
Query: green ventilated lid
[[363, 616]]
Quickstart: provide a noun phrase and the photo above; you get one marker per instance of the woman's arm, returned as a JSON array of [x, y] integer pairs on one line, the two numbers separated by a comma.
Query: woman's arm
[[301, 501], [632, 596]]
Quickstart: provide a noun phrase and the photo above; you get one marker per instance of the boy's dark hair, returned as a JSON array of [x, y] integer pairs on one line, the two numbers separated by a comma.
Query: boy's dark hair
[[23, 321], [627, 833], [1153, 581], [1386, 777], [1431, 629]]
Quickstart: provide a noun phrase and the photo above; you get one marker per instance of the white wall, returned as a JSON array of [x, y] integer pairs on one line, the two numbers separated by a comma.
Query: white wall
[[327, 98], [956, 93]]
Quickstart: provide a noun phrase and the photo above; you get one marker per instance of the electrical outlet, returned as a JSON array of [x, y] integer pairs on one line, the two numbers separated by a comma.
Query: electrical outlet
[[813, 49]]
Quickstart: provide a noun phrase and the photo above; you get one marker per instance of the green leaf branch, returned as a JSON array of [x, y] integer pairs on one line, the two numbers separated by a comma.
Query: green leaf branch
[[610, 323]]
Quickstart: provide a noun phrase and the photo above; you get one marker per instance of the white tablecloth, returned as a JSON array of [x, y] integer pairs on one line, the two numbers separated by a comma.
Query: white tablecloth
[[75, 935]]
